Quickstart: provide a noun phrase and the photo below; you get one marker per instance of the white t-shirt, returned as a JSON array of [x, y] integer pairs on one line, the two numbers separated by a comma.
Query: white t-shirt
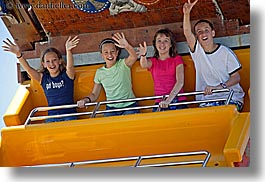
[[215, 68]]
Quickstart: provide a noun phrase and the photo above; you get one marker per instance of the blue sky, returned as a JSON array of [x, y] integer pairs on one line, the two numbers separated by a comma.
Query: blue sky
[[8, 74]]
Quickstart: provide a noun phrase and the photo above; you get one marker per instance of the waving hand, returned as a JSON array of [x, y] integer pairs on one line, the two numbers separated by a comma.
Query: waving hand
[[11, 47]]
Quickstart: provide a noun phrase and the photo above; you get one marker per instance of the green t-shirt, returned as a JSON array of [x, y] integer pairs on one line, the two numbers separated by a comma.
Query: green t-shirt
[[117, 83]]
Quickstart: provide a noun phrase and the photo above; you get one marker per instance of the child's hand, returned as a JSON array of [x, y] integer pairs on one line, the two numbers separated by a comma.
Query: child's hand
[[120, 38], [188, 6], [70, 44], [81, 103], [164, 104], [11, 47], [142, 50], [208, 90]]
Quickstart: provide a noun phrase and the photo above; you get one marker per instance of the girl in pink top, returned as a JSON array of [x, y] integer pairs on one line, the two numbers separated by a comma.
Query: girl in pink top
[[166, 67]]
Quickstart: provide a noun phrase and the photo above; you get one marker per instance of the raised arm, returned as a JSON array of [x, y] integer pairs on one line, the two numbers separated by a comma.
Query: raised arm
[[91, 97], [190, 37], [13, 48], [69, 45], [123, 43], [142, 51]]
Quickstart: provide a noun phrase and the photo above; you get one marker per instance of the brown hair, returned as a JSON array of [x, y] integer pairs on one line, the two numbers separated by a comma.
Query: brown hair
[[203, 21], [173, 49], [106, 41]]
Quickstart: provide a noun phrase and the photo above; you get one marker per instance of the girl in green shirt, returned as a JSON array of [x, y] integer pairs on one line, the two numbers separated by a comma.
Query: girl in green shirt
[[115, 76]]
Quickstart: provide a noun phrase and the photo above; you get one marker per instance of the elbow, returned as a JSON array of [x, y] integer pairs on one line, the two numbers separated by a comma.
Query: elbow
[[134, 57], [238, 77], [93, 97], [181, 84], [185, 31]]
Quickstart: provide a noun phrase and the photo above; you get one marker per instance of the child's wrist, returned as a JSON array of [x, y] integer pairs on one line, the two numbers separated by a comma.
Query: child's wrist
[[19, 55], [87, 99], [144, 55], [128, 47]]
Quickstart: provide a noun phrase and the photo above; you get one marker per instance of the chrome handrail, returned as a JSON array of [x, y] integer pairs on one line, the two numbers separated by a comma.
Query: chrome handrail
[[203, 162], [97, 104], [139, 159]]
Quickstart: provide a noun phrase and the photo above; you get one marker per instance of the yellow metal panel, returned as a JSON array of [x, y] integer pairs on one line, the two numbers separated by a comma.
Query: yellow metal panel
[[121, 136], [16, 113], [244, 58], [238, 138]]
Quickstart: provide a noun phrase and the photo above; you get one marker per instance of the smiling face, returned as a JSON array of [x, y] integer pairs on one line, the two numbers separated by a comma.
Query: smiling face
[[109, 53], [52, 63], [163, 44], [204, 33]]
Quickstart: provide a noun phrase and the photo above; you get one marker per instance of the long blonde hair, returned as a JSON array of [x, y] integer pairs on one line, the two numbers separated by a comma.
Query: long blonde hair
[[59, 55]]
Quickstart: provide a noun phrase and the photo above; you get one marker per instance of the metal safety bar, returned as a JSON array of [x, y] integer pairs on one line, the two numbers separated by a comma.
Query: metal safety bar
[[97, 104], [139, 159]]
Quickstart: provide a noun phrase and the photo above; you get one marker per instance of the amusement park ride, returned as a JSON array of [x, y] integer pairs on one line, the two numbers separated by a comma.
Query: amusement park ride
[[193, 137]]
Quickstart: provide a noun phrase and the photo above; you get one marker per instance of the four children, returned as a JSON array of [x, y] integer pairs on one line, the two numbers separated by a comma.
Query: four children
[[166, 67]]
